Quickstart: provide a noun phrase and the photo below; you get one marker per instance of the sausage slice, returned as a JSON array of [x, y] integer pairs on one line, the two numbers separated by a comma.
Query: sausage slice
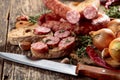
[[51, 41], [39, 47], [41, 30], [62, 33], [66, 43]]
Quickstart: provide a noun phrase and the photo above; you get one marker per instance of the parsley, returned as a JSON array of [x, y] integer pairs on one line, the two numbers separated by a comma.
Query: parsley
[[67, 41], [47, 40], [61, 31], [113, 11], [82, 42]]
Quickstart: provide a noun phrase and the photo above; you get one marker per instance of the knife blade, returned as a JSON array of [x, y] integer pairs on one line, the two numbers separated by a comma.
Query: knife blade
[[43, 64]]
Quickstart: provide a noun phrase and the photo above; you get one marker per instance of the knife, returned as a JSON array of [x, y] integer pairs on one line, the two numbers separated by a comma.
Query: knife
[[90, 71], [43, 64]]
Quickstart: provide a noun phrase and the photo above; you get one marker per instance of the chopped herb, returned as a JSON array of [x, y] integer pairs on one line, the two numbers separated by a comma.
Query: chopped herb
[[67, 41], [82, 42], [61, 31], [113, 11], [47, 40], [81, 52]]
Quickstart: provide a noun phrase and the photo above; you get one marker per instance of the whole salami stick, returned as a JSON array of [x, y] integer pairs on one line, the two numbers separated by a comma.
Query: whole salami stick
[[63, 10]]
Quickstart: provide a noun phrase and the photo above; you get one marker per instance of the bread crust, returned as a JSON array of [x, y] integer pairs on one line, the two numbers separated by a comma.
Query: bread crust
[[52, 53]]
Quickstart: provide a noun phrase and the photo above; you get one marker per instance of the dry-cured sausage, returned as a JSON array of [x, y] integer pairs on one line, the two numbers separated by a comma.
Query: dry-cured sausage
[[84, 27], [48, 17], [66, 43], [57, 25], [102, 20], [39, 47], [41, 30], [51, 41], [63, 10], [88, 8], [62, 33]]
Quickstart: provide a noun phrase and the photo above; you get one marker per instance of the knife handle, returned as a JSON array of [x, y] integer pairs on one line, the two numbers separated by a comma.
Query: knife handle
[[97, 72]]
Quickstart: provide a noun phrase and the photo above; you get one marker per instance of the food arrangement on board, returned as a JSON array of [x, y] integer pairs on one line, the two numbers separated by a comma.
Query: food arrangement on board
[[86, 32]]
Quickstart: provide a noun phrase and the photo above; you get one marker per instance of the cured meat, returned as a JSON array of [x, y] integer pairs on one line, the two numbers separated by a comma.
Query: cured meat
[[51, 41], [22, 18], [67, 43], [90, 12], [41, 30], [110, 2], [72, 16], [57, 25], [63, 10], [39, 47], [84, 27], [48, 17], [88, 8], [101, 20], [62, 34]]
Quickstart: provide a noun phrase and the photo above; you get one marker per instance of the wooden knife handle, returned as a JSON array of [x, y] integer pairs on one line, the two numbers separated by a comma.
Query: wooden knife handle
[[97, 72]]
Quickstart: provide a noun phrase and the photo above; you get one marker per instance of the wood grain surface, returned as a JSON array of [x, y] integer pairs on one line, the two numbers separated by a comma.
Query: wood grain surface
[[9, 10]]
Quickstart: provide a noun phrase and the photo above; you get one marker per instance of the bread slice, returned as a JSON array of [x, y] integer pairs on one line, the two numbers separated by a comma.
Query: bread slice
[[25, 34], [52, 53], [18, 35]]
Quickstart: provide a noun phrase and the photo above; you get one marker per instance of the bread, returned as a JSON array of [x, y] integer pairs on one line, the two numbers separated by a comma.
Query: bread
[[18, 35], [52, 53], [26, 34]]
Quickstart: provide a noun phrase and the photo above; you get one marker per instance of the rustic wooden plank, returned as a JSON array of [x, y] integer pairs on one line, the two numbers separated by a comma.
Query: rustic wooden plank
[[14, 71], [4, 14]]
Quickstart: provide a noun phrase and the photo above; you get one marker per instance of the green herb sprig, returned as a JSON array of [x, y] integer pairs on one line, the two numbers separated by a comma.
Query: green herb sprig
[[34, 19], [113, 11], [82, 42]]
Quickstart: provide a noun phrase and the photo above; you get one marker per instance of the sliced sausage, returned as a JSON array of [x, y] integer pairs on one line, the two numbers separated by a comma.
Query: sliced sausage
[[51, 41], [51, 24], [41, 30], [102, 20], [72, 16], [63, 10], [62, 33], [22, 18], [39, 47], [57, 25], [67, 43], [90, 12], [88, 8], [84, 27], [48, 17]]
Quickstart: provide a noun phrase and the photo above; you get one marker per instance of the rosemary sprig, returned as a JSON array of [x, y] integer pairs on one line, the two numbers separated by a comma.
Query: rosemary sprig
[[34, 19]]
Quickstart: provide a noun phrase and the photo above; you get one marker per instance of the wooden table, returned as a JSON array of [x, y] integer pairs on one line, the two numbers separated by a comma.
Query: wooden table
[[9, 9]]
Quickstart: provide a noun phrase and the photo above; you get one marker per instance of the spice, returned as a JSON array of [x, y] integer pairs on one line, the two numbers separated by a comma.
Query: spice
[[96, 58]]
